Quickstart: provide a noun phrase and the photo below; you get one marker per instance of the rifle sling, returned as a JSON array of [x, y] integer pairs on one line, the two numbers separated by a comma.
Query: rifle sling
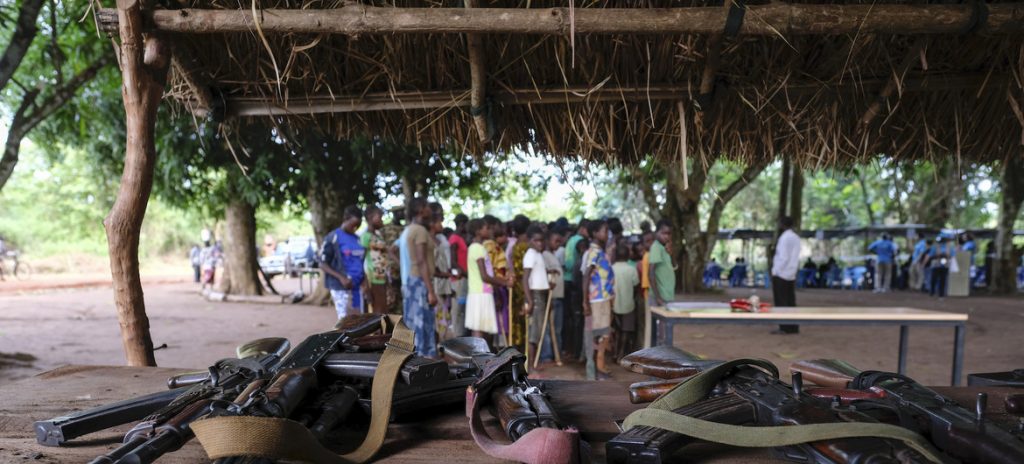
[[541, 445], [659, 414], [284, 439]]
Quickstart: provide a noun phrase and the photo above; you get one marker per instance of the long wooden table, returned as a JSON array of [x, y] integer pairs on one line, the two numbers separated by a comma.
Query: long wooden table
[[665, 319], [439, 437]]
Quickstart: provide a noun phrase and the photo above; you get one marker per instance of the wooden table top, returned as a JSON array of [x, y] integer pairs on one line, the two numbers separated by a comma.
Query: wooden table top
[[590, 406], [830, 313]]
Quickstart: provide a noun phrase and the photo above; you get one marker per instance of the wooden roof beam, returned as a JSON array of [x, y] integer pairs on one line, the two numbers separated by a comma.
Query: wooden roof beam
[[404, 101], [767, 20]]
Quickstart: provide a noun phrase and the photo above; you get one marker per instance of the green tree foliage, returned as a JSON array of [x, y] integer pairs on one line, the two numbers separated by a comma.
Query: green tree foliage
[[63, 55], [55, 207]]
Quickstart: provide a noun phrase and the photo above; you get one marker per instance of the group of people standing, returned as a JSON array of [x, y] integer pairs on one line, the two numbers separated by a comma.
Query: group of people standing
[[929, 265], [570, 291], [205, 259]]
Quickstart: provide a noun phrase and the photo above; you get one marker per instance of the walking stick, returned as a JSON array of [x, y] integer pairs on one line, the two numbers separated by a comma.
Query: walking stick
[[526, 348], [554, 339], [510, 322], [543, 328], [548, 324]]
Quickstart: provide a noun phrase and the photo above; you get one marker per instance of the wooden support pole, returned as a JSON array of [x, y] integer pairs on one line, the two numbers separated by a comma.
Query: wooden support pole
[[478, 81], [405, 101], [770, 19], [144, 63]]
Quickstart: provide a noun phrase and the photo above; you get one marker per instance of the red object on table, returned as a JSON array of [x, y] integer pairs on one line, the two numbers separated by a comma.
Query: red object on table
[[740, 305]]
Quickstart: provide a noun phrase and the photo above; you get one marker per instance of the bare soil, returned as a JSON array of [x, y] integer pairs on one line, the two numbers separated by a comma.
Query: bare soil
[[44, 327]]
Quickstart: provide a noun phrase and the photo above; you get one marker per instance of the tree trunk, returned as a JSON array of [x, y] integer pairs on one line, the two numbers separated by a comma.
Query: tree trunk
[[1003, 278], [796, 196], [240, 259], [784, 178], [144, 64], [692, 246], [25, 31], [866, 198], [936, 203], [689, 247], [12, 148]]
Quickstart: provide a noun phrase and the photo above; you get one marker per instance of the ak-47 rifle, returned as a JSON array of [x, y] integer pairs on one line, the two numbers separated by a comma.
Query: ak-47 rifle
[[522, 408], [965, 435], [317, 383], [752, 395], [253, 357]]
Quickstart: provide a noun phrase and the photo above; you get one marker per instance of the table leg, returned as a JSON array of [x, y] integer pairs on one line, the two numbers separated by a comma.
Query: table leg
[[904, 334], [958, 354], [669, 329], [655, 329]]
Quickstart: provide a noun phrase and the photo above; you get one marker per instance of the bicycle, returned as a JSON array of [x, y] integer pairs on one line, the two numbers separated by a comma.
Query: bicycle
[[21, 270]]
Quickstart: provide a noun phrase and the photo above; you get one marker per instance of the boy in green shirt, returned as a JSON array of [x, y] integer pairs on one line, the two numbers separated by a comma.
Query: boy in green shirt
[[624, 306], [662, 272]]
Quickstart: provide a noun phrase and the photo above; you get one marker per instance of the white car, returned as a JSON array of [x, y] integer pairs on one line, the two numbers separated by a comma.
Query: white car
[[297, 252]]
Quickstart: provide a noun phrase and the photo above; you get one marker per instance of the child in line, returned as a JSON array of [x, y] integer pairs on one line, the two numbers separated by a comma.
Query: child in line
[[495, 244], [442, 275], [597, 286], [481, 316], [535, 285], [553, 241], [626, 281]]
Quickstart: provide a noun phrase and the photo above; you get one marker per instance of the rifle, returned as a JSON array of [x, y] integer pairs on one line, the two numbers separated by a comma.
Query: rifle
[[753, 395], [286, 380], [57, 431], [523, 410], [318, 382], [966, 435]]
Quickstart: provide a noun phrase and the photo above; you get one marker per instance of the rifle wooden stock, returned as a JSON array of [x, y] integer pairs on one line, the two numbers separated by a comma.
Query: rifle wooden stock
[[645, 392], [831, 373], [666, 362]]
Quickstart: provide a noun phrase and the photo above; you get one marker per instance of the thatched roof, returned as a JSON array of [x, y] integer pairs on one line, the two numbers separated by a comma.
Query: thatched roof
[[617, 96]]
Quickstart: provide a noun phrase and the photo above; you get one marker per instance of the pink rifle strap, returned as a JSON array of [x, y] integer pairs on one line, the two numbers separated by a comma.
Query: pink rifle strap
[[539, 446]]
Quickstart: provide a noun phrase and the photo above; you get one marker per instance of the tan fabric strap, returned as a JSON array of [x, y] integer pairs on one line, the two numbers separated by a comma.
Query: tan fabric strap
[[284, 439], [659, 414]]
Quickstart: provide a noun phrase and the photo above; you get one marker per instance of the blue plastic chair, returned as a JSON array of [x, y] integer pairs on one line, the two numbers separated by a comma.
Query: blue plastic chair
[[834, 278], [856, 276]]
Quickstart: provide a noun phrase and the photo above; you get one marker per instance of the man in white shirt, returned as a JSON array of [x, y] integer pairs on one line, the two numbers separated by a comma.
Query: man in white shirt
[[784, 269]]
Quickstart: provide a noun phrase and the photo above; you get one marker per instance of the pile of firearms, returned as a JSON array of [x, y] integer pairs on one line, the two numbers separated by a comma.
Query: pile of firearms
[[317, 384], [864, 417], [846, 417]]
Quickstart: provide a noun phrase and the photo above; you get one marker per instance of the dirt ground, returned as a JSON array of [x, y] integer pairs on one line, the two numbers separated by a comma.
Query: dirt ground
[[42, 327]]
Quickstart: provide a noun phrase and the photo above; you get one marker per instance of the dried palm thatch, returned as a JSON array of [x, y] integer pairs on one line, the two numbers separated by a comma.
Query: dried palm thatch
[[822, 99]]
